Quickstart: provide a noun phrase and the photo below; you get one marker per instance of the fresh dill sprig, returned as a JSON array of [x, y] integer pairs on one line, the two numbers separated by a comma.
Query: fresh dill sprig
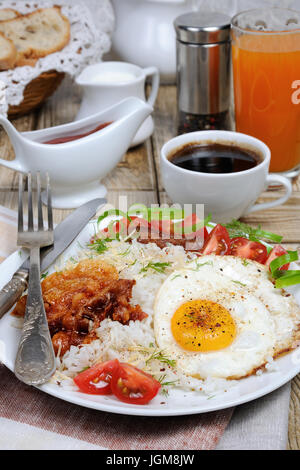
[[126, 252], [175, 277], [158, 267], [132, 264], [161, 357], [170, 383], [240, 229], [240, 283], [99, 244], [211, 396], [164, 384], [199, 265]]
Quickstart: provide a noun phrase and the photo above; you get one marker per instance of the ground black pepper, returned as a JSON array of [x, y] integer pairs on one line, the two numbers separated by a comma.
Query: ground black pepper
[[188, 122]]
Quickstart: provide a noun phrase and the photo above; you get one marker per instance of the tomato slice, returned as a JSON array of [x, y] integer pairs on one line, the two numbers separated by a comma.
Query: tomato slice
[[245, 248], [96, 380], [131, 385], [218, 242], [278, 250]]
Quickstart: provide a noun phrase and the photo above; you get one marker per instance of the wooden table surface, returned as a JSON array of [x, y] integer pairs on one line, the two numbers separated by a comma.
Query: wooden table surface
[[138, 177]]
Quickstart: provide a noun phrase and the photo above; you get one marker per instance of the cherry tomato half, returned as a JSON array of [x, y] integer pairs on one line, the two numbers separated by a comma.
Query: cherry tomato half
[[96, 380], [278, 250], [245, 248], [132, 385], [218, 242]]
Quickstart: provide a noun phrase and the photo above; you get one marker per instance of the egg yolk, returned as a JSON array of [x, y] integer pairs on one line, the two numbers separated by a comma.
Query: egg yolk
[[202, 325]]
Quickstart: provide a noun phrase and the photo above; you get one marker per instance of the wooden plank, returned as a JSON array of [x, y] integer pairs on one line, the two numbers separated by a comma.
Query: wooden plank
[[118, 198], [134, 172], [7, 176], [165, 120], [296, 183], [284, 220], [61, 107]]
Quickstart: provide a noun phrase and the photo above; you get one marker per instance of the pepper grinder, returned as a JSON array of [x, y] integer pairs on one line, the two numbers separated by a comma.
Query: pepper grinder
[[203, 71]]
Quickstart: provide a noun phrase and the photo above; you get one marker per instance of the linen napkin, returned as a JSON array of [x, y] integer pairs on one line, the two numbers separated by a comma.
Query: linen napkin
[[23, 404], [261, 424]]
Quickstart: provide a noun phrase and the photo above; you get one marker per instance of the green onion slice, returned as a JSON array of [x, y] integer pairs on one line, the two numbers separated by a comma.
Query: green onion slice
[[289, 278], [289, 257], [113, 212], [285, 278]]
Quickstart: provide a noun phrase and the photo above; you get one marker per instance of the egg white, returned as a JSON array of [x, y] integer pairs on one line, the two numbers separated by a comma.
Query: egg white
[[266, 320]]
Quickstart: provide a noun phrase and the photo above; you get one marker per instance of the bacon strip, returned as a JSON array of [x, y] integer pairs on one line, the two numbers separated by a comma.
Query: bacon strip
[[77, 300]]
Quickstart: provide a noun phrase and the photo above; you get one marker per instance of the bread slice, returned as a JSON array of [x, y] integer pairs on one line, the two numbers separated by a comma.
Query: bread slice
[[8, 53], [8, 14], [37, 34], [22, 61]]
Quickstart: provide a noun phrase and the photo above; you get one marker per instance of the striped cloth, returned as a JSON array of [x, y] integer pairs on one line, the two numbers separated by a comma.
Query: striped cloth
[[32, 419]]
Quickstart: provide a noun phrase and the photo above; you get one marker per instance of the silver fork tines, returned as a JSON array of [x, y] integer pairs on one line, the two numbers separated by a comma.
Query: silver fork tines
[[35, 361]]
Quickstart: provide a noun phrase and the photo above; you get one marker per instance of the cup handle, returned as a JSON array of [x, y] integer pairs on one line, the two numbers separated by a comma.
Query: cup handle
[[154, 73], [288, 192]]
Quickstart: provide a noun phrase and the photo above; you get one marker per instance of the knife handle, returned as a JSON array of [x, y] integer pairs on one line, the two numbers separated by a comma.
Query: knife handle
[[13, 290]]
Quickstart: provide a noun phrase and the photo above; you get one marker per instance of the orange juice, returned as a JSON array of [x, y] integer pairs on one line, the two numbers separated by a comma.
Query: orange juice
[[266, 75]]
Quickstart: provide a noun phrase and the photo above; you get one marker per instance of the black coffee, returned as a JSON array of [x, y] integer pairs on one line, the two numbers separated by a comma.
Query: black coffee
[[215, 158]]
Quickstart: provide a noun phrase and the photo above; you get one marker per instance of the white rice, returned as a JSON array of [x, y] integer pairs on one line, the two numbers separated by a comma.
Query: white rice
[[135, 343]]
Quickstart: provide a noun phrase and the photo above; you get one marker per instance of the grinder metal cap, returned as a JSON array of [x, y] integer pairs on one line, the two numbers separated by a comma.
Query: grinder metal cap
[[203, 28]]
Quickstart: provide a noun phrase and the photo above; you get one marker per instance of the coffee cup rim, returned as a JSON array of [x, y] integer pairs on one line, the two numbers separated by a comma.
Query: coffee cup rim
[[215, 136]]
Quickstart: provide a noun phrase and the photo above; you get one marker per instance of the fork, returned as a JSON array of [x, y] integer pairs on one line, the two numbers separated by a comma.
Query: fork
[[35, 360]]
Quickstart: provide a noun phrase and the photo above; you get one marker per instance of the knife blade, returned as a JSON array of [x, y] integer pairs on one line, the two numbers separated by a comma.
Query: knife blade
[[64, 234]]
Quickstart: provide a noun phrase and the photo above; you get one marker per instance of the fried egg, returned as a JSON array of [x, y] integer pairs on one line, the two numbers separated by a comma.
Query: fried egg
[[221, 316]]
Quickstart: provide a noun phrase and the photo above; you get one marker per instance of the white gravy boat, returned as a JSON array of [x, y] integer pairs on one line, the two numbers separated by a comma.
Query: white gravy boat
[[77, 167]]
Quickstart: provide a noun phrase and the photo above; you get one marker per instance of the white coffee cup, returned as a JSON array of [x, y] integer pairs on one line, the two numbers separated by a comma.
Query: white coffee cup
[[226, 196], [106, 83]]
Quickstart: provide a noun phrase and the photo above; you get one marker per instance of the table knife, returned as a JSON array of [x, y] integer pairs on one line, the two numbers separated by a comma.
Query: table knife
[[64, 234]]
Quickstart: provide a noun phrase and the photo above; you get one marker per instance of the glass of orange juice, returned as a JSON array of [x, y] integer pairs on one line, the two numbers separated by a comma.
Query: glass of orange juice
[[266, 67]]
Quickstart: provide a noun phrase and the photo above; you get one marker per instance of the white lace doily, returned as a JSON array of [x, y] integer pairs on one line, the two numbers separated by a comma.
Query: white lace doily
[[91, 25]]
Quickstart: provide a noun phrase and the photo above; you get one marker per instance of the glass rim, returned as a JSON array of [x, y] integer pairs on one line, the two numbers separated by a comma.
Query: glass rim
[[271, 31]]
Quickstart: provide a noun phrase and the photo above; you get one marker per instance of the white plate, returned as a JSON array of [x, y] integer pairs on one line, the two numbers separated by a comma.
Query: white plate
[[178, 402]]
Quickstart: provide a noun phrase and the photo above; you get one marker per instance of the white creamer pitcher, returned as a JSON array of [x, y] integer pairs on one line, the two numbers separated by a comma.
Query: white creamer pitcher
[[77, 167]]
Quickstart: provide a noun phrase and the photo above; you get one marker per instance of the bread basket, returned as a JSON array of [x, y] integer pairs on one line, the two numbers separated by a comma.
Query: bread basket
[[26, 87], [36, 92]]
